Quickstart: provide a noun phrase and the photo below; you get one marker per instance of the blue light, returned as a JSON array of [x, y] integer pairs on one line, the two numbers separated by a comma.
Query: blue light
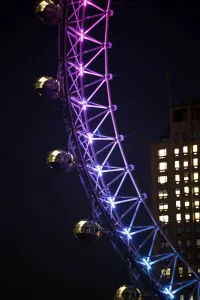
[[169, 293], [111, 199], [146, 263]]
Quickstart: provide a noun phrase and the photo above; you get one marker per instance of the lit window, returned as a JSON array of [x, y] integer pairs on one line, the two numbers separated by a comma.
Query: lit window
[[187, 217], [176, 151], [196, 190], [186, 190], [162, 179], [197, 216], [181, 297], [178, 218], [185, 164], [185, 150], [177, 164], [186, 177], [198, 269], [179, 243], [196, 203], [163, 206], [177, 178], [164, 218], [178, 204], [196, 176], [187, 204], [189, 272], [180, 271], [162, 193], [162, 153], [198, 243], [177, 192], [162, 166], [166, 272], [195, 149], [188, 243], [195, 162]]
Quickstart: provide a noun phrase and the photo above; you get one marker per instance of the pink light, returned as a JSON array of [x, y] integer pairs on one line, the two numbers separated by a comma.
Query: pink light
[[85, 2], [81, 69], [81, 35], [84, 105]]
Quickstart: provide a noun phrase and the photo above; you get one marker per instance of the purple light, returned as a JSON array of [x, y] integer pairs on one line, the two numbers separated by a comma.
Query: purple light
[[81, 69], [85, 2], [81, 35], [99, 170], [90, 138], [84, 103]]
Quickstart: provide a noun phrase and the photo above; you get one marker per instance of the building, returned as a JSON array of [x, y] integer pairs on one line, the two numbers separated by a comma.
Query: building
[[175, 172]]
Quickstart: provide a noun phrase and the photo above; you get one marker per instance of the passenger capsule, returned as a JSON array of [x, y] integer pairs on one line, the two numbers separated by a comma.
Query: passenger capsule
[[126, 292], [47, 87], [48, 11], [60, 160], [87, 231]]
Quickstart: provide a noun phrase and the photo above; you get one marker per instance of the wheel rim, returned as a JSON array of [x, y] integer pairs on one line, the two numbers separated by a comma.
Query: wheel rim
[[85, 116]]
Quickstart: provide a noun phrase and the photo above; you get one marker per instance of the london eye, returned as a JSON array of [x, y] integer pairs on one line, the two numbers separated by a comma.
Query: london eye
[[94, 147]]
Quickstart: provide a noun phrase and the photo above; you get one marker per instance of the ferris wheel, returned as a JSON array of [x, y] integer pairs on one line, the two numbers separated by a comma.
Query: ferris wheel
[[95, 149]]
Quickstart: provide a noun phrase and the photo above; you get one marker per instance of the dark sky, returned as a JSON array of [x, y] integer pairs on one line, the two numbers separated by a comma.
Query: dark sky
[[40, 257]]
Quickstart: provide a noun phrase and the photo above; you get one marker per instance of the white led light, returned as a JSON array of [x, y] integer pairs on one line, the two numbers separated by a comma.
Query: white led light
[[111, 199], [84, 103], [127, 233], [90, 138], [169, 293], [99, 170], [81, 35], [81, 69], [146, 263]]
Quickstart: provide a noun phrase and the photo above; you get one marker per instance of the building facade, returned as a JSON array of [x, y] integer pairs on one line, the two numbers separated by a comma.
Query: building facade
[[175, 172]]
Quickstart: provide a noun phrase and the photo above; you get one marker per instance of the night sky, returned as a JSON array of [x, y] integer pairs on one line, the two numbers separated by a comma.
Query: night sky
[[40, 257]]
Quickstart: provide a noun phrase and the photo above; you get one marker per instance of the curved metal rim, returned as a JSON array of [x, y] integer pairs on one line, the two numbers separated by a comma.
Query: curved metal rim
[[83, 172]]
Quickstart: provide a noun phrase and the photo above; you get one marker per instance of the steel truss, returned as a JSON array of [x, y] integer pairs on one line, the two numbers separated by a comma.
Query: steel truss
[[116, 200]]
